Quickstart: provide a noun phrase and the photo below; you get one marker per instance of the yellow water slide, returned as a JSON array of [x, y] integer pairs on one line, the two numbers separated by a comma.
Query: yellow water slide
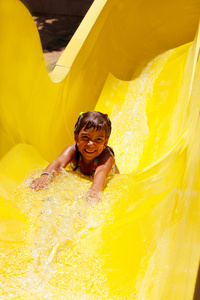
[[138, 61]]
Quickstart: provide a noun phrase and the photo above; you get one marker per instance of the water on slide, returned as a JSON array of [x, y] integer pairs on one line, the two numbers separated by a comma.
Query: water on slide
[[138, 62]]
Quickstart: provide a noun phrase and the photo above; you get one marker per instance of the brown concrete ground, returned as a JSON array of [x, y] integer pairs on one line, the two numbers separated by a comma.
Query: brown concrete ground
[[55, 33]]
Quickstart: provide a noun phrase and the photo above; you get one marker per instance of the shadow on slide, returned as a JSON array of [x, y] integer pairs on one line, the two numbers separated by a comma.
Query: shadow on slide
[[138, 61]]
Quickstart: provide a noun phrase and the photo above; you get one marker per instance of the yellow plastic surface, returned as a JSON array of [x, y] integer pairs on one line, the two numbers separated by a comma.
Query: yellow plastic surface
[[137, 61]]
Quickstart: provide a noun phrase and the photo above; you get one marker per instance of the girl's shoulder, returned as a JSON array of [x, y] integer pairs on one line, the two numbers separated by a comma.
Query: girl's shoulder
[[107, 160], [71, 148], [70, 151], [108, 151], [66, 156], [106, 154]]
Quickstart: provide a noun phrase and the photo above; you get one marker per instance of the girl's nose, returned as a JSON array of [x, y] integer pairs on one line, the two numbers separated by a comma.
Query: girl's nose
[[90, 143]]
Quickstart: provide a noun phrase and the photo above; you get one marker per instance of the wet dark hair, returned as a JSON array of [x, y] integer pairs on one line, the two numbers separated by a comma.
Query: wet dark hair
[[93, 119]]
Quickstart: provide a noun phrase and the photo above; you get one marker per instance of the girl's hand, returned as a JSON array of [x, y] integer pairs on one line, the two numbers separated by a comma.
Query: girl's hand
[[92, 197], [40, 183]]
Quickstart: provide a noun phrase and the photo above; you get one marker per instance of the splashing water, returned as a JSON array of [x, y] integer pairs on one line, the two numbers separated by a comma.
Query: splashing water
[[130, 127], [54, 261]]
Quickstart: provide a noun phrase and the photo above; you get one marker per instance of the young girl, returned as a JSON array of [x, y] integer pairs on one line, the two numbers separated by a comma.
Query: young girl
[[90, 155]]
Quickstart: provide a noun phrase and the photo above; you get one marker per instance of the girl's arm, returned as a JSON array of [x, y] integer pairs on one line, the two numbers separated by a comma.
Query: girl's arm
[[53, 168], [101, 174], [105, 164]]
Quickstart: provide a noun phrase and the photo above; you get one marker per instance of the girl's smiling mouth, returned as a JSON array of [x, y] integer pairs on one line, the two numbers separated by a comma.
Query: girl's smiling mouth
[[90, 152]]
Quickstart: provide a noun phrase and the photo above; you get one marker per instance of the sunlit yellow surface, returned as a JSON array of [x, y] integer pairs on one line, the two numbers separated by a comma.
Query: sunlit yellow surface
[[137, 61]]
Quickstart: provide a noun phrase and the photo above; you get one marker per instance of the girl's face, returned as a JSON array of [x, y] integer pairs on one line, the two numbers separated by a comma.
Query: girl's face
[[91, 142]]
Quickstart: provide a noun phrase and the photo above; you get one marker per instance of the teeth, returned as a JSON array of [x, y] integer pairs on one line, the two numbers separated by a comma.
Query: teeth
[[89, 151]]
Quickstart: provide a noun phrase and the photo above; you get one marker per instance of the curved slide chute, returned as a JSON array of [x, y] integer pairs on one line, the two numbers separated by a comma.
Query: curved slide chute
[[137, 61]]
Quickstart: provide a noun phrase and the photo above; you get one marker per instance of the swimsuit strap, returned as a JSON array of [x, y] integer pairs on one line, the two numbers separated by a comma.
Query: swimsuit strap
[[113, 170], [77, 165], [95, 164], [72, 166], [78, 155]]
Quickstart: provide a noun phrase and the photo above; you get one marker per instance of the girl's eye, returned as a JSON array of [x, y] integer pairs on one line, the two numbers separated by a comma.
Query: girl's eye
[[99, 140], [85, 137]]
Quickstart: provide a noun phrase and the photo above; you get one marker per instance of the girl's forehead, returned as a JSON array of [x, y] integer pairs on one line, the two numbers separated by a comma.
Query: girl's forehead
[[93, 130]]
